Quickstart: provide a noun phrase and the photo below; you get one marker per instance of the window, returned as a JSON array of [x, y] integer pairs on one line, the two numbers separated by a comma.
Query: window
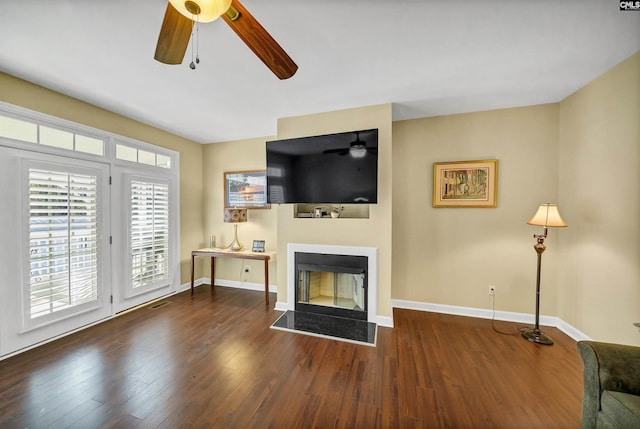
[[149, 232], [17, 129], [31, 132], [132, 154], [63, 236]]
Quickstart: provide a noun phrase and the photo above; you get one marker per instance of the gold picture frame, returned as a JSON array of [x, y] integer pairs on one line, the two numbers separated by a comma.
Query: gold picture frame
[[465, 184], [246, 189]]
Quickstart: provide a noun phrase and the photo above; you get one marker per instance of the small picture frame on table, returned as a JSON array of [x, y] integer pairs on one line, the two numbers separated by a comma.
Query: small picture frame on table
[[258, 246]]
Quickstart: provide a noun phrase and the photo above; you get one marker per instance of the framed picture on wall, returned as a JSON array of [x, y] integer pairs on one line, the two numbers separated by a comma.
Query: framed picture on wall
[[465, 184], [245, 189]]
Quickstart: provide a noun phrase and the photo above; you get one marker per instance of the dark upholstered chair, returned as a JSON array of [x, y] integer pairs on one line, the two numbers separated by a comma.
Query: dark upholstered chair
[[611, 385]]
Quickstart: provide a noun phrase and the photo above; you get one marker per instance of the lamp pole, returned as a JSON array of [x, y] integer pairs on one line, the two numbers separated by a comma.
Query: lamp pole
[[535, 335]]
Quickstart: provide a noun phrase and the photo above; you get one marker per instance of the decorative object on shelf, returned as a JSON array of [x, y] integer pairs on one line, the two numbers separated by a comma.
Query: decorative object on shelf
[[546, 216], [246, 189], [465, 184], [212, 242], [258, 246], [235, 216]]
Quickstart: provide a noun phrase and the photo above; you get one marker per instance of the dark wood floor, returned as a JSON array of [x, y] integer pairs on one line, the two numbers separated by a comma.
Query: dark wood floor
[[211, 361]]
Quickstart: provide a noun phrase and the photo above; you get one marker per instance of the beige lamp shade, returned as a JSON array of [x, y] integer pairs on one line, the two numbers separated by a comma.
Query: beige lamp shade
[[235, 215], [547, 215], [201, 10]]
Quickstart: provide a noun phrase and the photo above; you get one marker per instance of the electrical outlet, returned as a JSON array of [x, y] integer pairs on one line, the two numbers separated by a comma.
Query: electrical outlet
[[492, 290], [247, 268]]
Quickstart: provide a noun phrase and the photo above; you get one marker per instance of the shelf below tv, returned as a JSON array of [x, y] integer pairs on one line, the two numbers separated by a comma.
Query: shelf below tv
[[347, 211]]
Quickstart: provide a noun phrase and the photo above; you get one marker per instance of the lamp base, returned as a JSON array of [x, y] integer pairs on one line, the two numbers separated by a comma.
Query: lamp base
[[535, 336], [235, 244]]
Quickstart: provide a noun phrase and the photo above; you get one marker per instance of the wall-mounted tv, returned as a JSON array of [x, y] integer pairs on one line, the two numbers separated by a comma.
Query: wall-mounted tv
[[337, 168]]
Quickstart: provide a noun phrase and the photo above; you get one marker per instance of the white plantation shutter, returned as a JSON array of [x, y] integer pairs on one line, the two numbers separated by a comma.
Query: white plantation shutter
[[63, 241], [149, 233]]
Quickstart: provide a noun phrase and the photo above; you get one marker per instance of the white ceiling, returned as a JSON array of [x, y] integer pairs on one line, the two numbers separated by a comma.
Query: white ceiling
[[428, 58]]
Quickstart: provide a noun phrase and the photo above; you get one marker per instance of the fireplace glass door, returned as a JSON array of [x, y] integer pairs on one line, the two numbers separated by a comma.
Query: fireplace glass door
[[332, 287]]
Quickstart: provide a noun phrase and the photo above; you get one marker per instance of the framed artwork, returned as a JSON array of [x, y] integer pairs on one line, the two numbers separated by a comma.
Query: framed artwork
[[258, 246], [246, 189], [465, 184]]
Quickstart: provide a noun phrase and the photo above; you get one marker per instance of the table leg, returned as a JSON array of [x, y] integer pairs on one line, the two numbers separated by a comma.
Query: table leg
[[213, 271], [192, 267], [266, 281]]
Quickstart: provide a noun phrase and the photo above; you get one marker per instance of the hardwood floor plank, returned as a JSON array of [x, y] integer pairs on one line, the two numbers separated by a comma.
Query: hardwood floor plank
[[211, 361]]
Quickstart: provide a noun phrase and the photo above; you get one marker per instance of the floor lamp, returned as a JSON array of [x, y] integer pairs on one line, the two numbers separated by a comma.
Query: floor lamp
[[235, 216], [546, 216]]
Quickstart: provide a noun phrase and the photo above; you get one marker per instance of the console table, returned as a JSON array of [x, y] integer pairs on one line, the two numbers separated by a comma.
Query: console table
[[214, 253]]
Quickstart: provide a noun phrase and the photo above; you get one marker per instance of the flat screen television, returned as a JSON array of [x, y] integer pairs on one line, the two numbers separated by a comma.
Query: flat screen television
[[337, 168]]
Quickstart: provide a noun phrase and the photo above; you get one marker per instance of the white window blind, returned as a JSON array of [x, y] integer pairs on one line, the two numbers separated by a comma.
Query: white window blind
[[149, 233], [63, 240]]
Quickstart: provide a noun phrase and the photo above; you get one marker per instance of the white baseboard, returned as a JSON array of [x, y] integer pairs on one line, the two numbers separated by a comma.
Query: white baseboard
[[229, 283], [387, 321], [572, 332], [282, 306], [506, 316], [196, 283]]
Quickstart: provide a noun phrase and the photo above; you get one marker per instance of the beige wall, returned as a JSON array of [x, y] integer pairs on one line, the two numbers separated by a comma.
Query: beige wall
[[21, 93], [372, 232], [600, 194], [242, 155], [583, 153], [451, 255]]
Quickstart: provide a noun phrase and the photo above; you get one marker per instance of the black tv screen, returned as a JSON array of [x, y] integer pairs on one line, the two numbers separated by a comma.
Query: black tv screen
[[329, 169]]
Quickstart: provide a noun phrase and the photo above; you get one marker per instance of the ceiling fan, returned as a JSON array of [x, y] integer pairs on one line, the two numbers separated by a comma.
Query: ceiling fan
[[357, 149], [181, 15]]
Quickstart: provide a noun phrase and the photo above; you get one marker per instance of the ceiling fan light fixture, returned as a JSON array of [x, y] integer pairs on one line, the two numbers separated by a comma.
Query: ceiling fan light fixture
[[202, 10], [357, 151]]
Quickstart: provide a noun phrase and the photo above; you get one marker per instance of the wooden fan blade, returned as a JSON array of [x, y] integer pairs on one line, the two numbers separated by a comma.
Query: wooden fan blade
[[338, 151], [259, 41], [174, 37]]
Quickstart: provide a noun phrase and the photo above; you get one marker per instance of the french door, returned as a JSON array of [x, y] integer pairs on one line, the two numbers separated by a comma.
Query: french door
[[76, 249], [89, 226], [55, 260], [145, 232]]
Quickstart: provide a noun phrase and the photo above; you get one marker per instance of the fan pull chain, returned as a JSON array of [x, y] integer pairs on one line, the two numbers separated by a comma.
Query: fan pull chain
[[197, 42], [192, 66]]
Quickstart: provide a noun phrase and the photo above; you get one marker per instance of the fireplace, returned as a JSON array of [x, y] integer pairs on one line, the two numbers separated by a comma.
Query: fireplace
[[331, 284], [331, 292], [371, 254]]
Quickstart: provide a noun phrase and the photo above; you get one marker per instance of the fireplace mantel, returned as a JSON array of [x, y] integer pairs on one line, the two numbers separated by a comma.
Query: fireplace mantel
[[370, 252]]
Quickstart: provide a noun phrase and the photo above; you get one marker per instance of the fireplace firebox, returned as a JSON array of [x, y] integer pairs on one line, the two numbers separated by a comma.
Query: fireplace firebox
[[331, 284]]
